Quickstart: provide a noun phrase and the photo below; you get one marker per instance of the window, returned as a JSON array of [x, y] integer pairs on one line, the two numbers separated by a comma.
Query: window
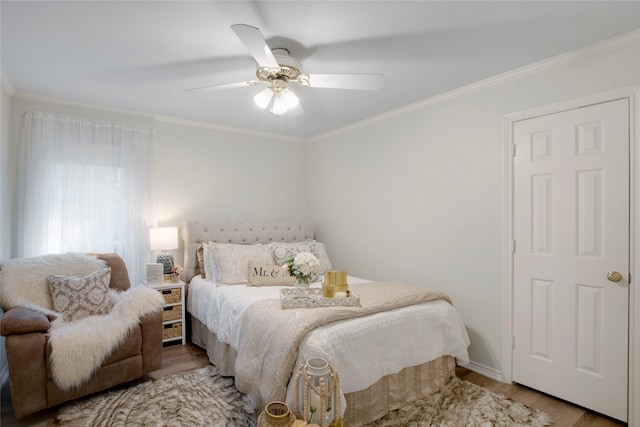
[[86, 186]]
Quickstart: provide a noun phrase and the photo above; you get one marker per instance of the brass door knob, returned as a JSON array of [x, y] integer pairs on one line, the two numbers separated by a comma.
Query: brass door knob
[[614, 276]]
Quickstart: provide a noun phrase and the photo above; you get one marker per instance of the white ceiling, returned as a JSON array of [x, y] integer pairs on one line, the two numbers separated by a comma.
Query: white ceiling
[[142, 55]]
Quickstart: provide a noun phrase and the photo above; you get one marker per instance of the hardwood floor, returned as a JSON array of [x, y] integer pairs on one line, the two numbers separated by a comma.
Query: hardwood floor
[[185, 358]]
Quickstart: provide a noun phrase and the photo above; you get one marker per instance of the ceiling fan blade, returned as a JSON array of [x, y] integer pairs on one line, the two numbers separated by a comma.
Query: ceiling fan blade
[[254, 41], [223, 87], [346, 81]]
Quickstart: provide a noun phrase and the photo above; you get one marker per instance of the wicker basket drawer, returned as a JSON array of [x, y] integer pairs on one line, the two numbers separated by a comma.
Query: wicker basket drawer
[[172, 330], [171, 296], [173, 312]]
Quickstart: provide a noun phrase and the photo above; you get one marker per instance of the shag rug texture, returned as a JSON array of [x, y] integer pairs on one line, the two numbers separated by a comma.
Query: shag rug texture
[[195, 398], [461, 403], [204, 398]]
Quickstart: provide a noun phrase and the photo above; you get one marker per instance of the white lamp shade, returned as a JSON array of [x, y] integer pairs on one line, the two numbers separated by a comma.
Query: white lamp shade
[[278, 107], [163, 238], [290, 99], [263, 99]]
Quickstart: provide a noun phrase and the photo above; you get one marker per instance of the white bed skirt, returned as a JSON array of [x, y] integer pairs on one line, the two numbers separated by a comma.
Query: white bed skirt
[[389, 393]]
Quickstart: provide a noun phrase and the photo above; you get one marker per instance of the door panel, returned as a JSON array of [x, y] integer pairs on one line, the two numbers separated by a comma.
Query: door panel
[[571, 227]]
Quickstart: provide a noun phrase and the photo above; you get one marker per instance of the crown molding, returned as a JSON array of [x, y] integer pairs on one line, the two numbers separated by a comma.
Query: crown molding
[[545, 64], [154, 118], [223, 128], [75, 104]]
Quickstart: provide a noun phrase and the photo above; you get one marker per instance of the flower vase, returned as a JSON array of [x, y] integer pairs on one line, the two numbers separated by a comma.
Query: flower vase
[[300, 287]]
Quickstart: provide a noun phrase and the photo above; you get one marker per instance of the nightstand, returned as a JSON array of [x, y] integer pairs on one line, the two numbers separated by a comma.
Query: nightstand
[[173, 315]]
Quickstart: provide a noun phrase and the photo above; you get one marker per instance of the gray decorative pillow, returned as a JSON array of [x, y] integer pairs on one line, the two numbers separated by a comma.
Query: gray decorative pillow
[[282, 249], [260, 274], [80, 297], [320, 251], [230, 261]]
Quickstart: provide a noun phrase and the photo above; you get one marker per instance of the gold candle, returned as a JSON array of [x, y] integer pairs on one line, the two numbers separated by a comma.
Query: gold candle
[[336, 279], [328, 290]]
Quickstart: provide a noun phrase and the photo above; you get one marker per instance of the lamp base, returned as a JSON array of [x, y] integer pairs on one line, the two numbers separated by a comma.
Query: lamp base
[[167, 261]]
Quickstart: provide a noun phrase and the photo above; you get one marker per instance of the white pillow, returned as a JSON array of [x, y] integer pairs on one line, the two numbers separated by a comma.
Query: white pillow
[[268, 275], [230, 262], [209, 274], [320, 251]]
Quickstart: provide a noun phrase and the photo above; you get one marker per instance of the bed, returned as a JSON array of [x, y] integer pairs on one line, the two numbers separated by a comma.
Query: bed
[[385, 359]]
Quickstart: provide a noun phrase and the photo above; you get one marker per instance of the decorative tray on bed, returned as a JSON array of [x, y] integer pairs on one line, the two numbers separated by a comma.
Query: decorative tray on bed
[[312, 297]]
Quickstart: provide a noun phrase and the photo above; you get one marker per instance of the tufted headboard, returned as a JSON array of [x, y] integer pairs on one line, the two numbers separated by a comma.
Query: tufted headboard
[[239, 232]]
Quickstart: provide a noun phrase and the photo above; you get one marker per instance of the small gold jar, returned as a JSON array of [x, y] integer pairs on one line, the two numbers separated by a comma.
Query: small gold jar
[[328, 290], [276, 414], [335, 282]]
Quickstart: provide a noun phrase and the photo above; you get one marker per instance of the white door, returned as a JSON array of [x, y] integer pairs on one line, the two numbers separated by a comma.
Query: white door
[[571, 228]]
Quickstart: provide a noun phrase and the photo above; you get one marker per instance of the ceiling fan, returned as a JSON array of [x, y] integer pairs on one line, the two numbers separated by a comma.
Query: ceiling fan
[[278, 70]]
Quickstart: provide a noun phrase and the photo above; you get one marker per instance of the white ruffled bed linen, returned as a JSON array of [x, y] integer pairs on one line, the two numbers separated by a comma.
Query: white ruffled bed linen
[[391, 335]]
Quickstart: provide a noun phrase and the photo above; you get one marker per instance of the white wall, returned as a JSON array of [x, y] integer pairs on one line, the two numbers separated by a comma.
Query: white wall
[[5, 199], [418, 196], [5, 171], [204, 175]]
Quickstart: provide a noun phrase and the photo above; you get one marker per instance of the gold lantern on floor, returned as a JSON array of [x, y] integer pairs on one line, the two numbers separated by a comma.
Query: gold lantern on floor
[[317, 391]]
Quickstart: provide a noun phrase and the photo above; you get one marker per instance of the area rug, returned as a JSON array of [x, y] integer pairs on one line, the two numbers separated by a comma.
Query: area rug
[[195, 398], [464, 404], [204, 398]]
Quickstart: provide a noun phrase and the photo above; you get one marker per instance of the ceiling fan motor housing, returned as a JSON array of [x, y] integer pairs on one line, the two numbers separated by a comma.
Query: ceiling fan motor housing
[[290, 68]]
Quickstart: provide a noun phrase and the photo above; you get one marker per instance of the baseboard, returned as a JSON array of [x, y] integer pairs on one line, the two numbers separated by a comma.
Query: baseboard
[[486, 371]]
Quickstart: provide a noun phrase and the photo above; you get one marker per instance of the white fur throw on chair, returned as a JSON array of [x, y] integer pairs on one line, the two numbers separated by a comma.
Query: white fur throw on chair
[[23, 281], [79, 347]]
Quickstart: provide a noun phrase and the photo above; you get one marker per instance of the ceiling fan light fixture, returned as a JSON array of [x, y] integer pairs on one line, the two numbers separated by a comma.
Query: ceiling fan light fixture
[[263, 99], [289, 98], [278, 107], [278, 69]]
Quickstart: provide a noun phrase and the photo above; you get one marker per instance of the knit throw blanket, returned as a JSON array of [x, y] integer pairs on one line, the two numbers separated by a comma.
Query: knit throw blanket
[[268, 347]]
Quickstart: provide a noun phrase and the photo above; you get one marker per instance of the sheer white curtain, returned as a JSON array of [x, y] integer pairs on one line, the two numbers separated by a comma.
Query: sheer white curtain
[[86, 186]]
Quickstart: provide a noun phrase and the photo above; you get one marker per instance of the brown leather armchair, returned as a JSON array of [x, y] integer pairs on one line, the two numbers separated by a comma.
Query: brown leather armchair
[[28, 351]]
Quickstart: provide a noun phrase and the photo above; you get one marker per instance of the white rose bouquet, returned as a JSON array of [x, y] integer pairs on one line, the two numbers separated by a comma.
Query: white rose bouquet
[[302, 266]]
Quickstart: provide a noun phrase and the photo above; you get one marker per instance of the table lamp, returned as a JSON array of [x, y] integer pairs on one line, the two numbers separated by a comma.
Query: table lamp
[[164, 239]]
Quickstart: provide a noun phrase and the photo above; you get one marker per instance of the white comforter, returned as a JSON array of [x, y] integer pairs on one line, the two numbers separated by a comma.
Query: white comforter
[[399, 338]]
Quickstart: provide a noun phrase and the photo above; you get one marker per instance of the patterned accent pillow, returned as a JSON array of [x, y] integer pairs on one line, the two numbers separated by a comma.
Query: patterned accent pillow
[[230, 261], [80, 297], [320, 251], [268, 275], [282, 249]]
